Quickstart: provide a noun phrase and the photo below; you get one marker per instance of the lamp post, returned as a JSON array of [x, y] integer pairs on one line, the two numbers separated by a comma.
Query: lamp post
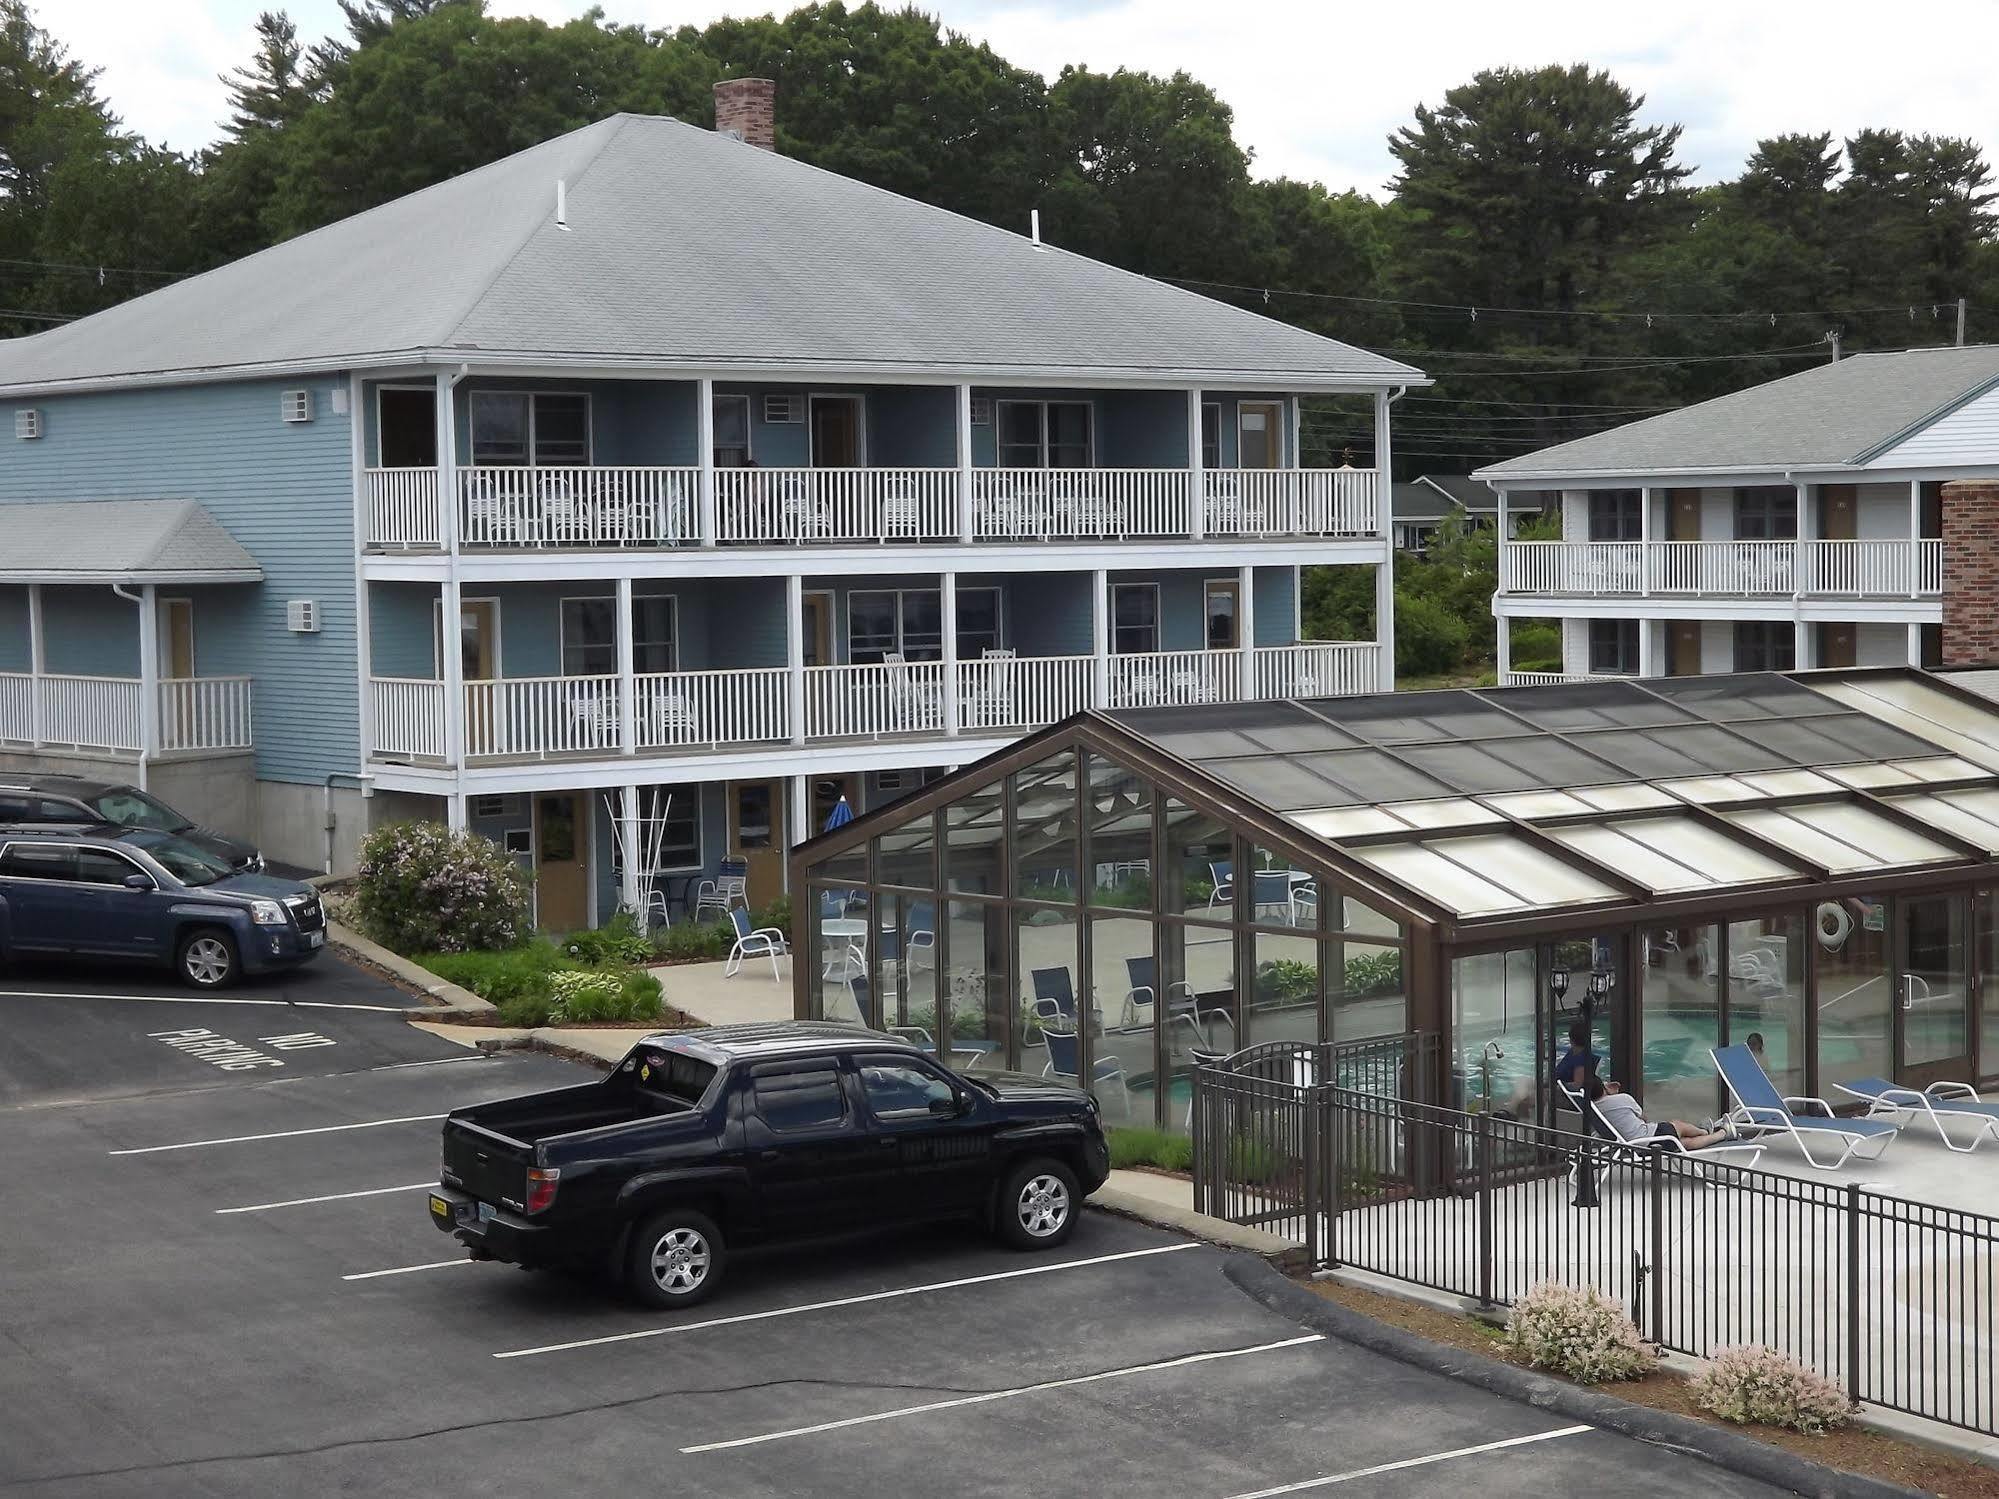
[[1601, 982]]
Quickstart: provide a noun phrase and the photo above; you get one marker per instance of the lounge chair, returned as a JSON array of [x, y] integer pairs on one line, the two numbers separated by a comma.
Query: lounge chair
[[1064, 1061], [1758, 1105], [1602, 1134], [1940, 1101], [763, 942]]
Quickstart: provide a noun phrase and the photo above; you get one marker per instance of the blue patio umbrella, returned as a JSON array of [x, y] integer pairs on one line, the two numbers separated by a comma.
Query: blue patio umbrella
[[839, 817]]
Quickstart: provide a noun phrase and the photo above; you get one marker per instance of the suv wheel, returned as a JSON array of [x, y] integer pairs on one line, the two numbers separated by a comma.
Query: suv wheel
[[207, 958], [1037, 1205], [675, 1259]]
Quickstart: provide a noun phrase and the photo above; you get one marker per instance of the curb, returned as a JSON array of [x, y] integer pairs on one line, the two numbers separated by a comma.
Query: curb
[[1268, 1248], [454, 1000], [1725, 1449]]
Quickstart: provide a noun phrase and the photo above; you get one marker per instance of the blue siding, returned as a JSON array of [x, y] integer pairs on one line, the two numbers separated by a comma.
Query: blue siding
[[631, 421], [283, 490], [14, 645], [1274, 593], [402, 629], [912, 426], [1048, 614], [746, 624], [89, 632], [1142, 429]]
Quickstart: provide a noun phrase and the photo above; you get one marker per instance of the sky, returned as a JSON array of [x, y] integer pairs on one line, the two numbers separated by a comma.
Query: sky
[[1317, 85]]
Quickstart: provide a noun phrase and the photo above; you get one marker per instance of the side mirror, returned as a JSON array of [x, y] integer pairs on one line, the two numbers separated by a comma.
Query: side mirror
[[952, 1106], [139, 882]]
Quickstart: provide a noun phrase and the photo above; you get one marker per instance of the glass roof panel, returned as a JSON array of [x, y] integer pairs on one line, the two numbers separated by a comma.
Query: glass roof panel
[[1841, 836], [1345, 822], [1467, 767], [1926, 711], [1705, 789], [1724, 698], [1451, 886], [1805, 842], [1552, 762], [1788, 783], [1593, 705], [1869, 775], [1413, 717], [1540, 804], [1650, 753], [1979, 801], [1625, 798], [1537, 876], [1371, 775], [1722, 859], [1952, 818], [1830, 739], [1607, 845], [1283, 784], [1448, 812], [1940, 768]]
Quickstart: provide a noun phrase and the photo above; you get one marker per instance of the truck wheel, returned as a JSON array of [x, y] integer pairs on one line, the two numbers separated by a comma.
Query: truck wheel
[[1037, 1205], [207, 958], [675, 1259]]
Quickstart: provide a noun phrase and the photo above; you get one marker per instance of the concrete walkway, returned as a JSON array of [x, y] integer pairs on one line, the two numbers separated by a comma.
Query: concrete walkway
[[702, 990]]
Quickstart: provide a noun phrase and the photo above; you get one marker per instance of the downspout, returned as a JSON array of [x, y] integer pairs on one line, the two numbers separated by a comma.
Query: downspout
[[145, 709], [363, 781]]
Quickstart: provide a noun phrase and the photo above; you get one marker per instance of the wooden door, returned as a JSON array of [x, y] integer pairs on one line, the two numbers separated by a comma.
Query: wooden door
[[1839, 645], [1838, 512], [176, 638], [561, 860], [1684, 523], [479, 664], [1683, 648], [836, 432], [1223, 601], [756, 831], [817, 629], [1259, 435]]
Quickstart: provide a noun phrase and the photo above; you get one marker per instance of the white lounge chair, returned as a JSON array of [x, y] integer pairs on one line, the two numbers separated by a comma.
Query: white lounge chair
[[1940, 1101], [1759, 1106], [760, 942], [1602, 1134]]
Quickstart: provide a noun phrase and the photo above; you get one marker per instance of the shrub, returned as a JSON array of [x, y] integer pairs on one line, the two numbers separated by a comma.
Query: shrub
[[422, 888], [1150, 1147], [777, 914], [1761, 1385], [691, 941], [618, 943], [1252, 1160], [1536, 645], [1577, 1331], [586, 996], [1429, 639], [527, 1011], [1286, 978], [518, 973], [1374, 973]]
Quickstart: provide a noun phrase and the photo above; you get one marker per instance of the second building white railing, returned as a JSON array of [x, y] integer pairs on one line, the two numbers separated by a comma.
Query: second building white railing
[[1875, 568]]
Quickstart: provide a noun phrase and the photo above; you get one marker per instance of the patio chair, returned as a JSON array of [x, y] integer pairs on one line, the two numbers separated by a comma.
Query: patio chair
[[760, 942], [914, 701], [1065, 1061], [1222, 874], [1605, 1142], [730, 887], [1758, 1105], [673, 719], [1940, 1101], [992, 703], [1053, 986], [922, 939], [558, 510], [1272, 890], [900, 513]]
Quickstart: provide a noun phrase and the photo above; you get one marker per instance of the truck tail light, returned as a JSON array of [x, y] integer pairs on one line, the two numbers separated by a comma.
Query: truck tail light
[[541, 1188]]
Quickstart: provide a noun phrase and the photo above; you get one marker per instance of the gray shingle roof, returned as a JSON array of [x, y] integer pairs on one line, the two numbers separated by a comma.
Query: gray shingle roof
[[1826, 416], [120, 541], [685, 247]]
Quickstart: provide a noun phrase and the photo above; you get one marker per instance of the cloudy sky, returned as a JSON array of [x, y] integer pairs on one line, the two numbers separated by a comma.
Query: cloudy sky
[[1317, 85]]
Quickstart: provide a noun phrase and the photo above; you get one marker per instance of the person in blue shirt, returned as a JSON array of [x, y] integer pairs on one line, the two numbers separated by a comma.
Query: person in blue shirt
[[1578, 1062]]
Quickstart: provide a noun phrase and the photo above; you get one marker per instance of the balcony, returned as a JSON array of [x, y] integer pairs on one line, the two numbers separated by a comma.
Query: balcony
[[543, 508], [527, 719], [1885, 569], [104, 715]]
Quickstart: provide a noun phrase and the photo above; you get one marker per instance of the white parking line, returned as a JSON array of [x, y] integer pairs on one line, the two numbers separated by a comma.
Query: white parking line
[[991, 1395], [823, 1306], [206, 999], [1412, 1462], [409, 1269], [476, 1056], [299, 1202], [282, 1134]]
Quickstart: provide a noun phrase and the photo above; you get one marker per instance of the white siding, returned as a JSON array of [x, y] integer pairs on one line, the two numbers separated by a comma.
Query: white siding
[[1575, 646], [1575, 515], [1881, 512], [1969, 434], [1718, 514], [1717, 645], [1881, 645]]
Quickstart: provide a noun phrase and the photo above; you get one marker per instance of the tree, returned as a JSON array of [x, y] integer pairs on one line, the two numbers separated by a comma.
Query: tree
[[274, 88]]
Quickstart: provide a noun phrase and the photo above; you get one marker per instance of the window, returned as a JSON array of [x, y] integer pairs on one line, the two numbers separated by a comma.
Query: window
[[653, 643], [677, 812], [978, 622], [1134, 618], [801, 1100], [96, 866], [549, 427], [899, 1089], [1614, 515], [38, 861], [911, 621], [1766, 514], [1044, 434], [1765, 645], [732, 431], [590, 637], [1211, 435], [1613, 647]]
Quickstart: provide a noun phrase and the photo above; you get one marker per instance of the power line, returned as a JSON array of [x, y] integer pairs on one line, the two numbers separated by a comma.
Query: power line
[[37, 317], [99, 271]]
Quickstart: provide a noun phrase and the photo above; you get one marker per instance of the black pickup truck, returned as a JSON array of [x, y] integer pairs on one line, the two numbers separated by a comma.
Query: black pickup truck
[[703, 1142]]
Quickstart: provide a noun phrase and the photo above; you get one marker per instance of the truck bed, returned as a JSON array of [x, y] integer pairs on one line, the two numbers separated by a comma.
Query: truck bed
[[489, 1147]]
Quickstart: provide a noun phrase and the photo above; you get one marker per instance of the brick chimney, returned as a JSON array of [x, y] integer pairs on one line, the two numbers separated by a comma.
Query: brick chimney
[[1970, 572], [747, 109]]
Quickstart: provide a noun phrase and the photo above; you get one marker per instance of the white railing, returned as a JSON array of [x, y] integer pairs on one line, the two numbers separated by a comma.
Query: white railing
[[402, 508], [407, 715], [706, 709], [90, 712], [1290, 502], [205, 713], [534, 717], [17, 708], [563, 506], [1873, 569], [798, 505], [1744, 568], [1158, 678], [1543, 678], [1064, 504], [1592, 567], [1317, 668], [1022, 692], [1885, 568], [869, 702]]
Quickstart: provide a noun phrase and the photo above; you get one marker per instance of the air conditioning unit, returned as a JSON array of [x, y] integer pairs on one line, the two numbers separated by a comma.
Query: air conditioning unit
[[780, 410], [27, 422], [982, 411], [891, 780], [302, 616], [295, 405]]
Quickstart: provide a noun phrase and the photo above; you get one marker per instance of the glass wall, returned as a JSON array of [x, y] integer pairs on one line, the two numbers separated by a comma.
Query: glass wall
[[1985, 907], [1766, 996], [1854, 994], [1494, 1026], [1936, 943], [1682, 1020]]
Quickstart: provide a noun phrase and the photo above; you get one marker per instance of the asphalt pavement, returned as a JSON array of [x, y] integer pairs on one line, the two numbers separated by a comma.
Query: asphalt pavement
[[222, 1281]]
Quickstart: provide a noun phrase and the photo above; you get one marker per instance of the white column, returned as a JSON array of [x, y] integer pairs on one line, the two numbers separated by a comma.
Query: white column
[[1384, 573], [1503, 665], [1915, 645], [795, 829], [447, 465], [1245, 624], [149, 679], [1648, 656], [704, 446], [1197, 503], [794, 654], [454, 811], [964, 425], [1500, 541], [1803, 657], [1297, 603], [1100, 636], [1645, 541], [451, 650], [628, 837], [1915, 570], [1297, 446], [628, 687], [37, 661], [1801, 553], [948, 615]]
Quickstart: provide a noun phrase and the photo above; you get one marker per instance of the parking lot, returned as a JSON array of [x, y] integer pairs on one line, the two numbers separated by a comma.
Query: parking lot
[[220, 1279]]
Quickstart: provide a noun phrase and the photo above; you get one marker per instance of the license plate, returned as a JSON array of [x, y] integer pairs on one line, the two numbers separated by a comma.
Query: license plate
[[315, 939], [439, 1208], [485, 1212]]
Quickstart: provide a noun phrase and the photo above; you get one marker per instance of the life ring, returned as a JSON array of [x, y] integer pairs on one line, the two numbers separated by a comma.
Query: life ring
[[1835, 925]]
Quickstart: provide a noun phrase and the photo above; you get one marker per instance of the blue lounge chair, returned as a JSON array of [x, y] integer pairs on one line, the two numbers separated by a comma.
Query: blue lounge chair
[[1759, 1106], [1064, 1061], [1940, 1101]]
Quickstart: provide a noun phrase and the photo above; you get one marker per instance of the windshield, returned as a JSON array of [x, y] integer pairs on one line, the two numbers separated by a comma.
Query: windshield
[[130, 808], [181, 859]]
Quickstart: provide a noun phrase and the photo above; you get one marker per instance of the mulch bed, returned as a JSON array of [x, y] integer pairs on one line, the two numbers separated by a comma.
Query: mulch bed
[[1852, 1448]]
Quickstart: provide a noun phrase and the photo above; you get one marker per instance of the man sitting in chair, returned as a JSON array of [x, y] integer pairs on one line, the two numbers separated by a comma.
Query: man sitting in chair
[[1621, 1112]]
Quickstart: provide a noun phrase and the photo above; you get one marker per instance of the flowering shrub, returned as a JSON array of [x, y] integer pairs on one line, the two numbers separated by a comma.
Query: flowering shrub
[[1579, 1332], [1760, 1384], [425, 889]]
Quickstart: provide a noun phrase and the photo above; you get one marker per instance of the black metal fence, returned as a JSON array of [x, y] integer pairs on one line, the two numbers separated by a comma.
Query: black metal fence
[[1341, 1150]]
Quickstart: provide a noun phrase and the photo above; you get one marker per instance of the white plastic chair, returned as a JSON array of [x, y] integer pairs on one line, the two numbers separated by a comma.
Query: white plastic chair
[[758, 942], [727, 890]]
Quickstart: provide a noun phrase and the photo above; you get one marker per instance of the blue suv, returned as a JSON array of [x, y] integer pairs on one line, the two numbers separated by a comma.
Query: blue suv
[[99, 891]]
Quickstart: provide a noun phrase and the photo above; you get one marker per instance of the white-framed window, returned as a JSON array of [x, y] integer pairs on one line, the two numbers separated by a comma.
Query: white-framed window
[[1766, 513], [1134, 618], [911, 621], [590, 635], [1615, 515], [1613, 647], [541, 427], [1765, 645], [732, 432], [1211, 434], [1046, 434]]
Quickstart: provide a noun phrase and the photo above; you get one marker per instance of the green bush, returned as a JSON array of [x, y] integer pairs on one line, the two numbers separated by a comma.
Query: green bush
[[527, 1011], [618, 943], [1578, 1331], [777, 914], [691, 941], [1429, 639], [1374, 973], [517, 973], [1286, 978], [1150, 1147], [1536, 645], [1255, 1161], [422, 888], [588, 996]]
